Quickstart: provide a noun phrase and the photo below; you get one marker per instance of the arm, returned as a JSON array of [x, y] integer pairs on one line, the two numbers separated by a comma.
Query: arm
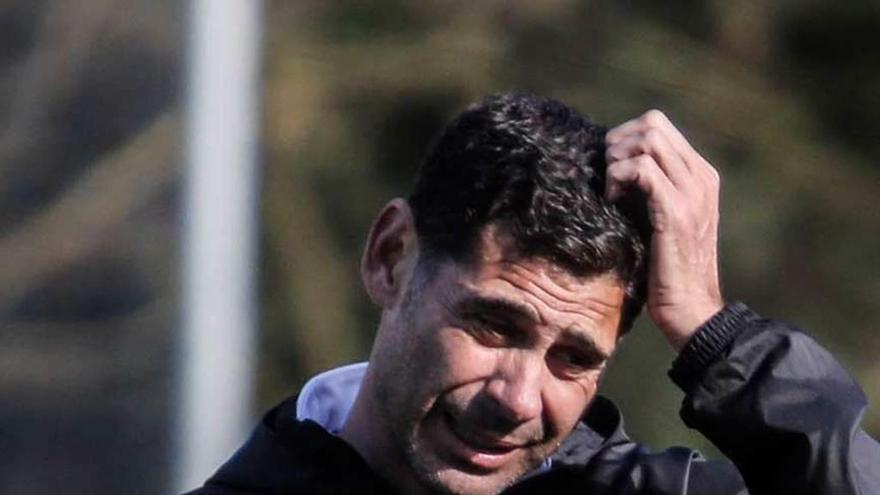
[[778, 405], [774, 401]]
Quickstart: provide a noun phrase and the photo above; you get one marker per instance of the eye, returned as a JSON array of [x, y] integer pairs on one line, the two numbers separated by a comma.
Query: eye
[[574, 362], [489, 332]]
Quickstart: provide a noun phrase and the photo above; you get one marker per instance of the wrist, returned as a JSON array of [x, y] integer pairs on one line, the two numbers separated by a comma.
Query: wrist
[[708, 342], [679, 329]]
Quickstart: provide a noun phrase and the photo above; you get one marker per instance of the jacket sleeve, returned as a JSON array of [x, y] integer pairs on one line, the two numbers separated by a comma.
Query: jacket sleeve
[[778, 405]]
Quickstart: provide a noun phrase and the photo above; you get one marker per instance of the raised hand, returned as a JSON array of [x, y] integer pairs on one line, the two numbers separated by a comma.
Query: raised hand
[[682, 191]]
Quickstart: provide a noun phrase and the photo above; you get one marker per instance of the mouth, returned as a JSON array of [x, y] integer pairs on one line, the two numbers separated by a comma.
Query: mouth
[[477, 451]]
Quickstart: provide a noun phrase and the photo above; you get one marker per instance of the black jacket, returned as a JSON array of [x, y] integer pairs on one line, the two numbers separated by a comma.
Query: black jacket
[[778, 405]]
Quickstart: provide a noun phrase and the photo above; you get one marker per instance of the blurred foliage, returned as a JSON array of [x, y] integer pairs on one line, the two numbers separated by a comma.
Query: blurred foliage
[[89, 167], [779, 96]]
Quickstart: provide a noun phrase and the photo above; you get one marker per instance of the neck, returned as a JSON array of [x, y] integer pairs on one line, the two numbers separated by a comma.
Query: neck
[[367, 431]]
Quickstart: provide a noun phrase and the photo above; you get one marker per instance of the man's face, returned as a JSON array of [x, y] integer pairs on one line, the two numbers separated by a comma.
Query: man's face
[[482, 370]]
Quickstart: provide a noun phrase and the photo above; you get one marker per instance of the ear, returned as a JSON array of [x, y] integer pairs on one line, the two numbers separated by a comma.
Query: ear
[[391, 253]]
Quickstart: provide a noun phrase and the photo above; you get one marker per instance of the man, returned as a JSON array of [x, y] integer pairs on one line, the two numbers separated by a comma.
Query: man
[[530, 242]]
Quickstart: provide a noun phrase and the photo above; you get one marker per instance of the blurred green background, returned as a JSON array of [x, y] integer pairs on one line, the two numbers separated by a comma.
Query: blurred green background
[[780, 96]]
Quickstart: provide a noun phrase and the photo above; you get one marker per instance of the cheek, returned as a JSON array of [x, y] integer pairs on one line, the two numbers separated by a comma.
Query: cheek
[[566, 401], [439, 360], [465, 361]]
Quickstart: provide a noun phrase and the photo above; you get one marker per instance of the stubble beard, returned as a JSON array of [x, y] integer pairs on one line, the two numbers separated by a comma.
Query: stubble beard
[[404, 432], [402, 420], [439, 477]]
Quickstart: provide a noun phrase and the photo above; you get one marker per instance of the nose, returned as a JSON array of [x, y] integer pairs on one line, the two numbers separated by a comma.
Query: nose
[[517, 387]]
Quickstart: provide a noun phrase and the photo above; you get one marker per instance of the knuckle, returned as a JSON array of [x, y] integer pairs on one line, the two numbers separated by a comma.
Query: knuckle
[[664, 219], [653, 138], [611, 138], [714, 176], [615, 153], [615, 171], [654, 118], [643, 162]]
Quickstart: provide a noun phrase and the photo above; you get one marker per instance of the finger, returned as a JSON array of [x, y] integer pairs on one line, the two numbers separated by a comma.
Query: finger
[[618, 133], [654, 143], [654, 119], [642, 172]]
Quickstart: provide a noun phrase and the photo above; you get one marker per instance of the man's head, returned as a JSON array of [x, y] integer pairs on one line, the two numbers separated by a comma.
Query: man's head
[[505, 282], [537, 167]]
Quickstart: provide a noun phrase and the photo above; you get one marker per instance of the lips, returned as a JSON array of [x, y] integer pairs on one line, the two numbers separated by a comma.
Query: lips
[[477, 440], [474, 451]]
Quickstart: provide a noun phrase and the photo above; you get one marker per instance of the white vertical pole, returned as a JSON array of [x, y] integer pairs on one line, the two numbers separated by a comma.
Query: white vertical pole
[[220, 227]]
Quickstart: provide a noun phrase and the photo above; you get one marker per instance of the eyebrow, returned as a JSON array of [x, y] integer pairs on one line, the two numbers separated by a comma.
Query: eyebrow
[[477, 304], [586, 343]]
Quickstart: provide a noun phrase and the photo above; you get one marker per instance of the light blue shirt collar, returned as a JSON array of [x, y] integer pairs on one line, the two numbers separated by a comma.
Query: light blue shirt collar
[[327, 399]]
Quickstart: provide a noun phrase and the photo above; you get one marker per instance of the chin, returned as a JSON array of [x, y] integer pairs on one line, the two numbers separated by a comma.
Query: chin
[[453, 481], [445, 464]]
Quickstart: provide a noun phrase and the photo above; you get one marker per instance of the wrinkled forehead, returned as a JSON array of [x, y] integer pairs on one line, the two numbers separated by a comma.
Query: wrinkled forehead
[[533, 288], [495, 261], [495, 246]]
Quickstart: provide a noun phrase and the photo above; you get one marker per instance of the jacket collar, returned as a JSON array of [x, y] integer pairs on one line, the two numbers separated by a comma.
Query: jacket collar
[[328, 397], [295, 443]]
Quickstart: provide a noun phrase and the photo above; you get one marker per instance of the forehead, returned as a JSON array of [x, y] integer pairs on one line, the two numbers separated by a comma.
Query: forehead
[[545, 292], [495, 253]]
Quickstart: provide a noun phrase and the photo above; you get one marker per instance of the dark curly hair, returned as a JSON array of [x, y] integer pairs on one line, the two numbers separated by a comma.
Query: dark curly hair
[[536, 167]]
